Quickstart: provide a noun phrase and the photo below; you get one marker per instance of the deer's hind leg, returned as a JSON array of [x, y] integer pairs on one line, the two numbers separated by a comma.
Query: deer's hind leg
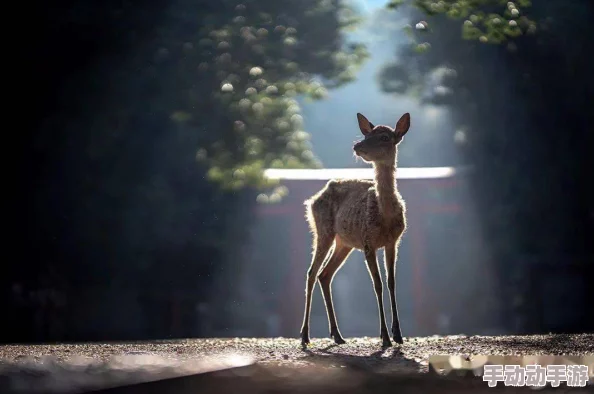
[[322, 226], [339, 255]]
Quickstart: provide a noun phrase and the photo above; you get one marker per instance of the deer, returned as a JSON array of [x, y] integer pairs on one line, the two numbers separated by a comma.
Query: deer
[[363, 215]]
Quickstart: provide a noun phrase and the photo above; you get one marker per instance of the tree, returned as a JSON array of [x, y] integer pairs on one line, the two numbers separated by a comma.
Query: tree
[[510, 103], [240, 73], [131, 96]]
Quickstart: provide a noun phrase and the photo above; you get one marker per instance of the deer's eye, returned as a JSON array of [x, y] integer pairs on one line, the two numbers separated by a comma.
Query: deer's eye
[[385, 138]]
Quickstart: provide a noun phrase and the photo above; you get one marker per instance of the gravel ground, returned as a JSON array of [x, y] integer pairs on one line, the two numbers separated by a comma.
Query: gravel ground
[[78, 367], [284, 350]]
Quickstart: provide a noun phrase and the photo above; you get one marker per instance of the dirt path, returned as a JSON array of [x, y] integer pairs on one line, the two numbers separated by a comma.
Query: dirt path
[[96, 365]]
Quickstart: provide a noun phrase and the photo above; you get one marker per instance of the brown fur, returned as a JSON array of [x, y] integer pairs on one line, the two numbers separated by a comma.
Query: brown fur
[[358, 214]]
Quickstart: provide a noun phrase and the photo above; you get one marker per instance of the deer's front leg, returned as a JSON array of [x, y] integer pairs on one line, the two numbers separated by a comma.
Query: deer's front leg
[[373, 267], [390, 262]]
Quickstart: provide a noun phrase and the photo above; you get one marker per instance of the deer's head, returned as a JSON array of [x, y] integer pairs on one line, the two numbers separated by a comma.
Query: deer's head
[[380, 142]]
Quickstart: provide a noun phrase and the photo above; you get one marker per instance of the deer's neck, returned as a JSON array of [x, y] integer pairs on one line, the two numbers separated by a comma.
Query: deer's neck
[[385, 186]]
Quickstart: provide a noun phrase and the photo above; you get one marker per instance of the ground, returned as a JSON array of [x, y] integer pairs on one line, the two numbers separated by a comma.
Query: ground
[[277, 361]]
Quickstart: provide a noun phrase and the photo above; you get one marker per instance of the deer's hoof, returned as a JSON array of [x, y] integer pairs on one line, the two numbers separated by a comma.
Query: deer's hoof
[[304, 339], [386, 342], [335, 334], [396, 334]]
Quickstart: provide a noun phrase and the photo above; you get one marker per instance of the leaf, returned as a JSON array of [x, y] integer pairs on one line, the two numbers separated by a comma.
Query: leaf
[[394, 4]]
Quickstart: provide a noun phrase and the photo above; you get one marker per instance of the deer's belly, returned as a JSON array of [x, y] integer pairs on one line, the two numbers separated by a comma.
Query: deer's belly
[[351, 239], [349, 225], [387, 235], [375, 235]]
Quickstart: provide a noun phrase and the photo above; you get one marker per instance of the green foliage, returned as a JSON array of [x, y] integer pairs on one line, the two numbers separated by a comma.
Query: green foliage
[[486, 21], [481, 22], [240, 77]]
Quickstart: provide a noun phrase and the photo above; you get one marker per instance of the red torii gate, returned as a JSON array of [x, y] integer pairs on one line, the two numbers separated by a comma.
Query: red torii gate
[[412, 182]]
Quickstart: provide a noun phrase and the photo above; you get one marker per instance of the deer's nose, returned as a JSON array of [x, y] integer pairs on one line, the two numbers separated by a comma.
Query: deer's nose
[[357, 147]]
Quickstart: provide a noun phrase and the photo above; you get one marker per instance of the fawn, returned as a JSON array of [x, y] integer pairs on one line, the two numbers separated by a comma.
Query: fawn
[[358, 214]]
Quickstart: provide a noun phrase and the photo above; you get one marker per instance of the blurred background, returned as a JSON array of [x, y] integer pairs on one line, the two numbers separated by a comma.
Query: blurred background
[[143, 209]]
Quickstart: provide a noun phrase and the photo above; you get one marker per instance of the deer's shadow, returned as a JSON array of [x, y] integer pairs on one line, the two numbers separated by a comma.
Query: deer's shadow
[[342, 355]]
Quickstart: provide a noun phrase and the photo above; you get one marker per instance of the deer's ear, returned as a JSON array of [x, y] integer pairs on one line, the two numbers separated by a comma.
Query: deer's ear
[[403, 125], [365, 125]]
